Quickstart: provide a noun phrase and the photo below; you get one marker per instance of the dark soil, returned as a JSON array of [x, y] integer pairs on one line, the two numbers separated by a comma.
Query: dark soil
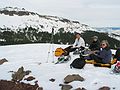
[[10, 85]]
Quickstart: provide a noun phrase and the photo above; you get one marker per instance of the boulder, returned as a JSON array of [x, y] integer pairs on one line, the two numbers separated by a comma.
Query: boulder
[[30, 78], [74, 77], [104, 88], [65, 87], [52, 80], [3, 61], [10, 85], [80, 89]]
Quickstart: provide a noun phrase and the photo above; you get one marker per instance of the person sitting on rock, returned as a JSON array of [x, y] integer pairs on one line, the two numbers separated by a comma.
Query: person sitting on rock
[[78, 44], [95, 45], [104, 55]]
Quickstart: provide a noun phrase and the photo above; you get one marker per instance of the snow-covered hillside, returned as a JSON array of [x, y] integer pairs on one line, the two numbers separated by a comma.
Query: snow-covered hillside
[[16, 18], [113, 32], [34, 56]]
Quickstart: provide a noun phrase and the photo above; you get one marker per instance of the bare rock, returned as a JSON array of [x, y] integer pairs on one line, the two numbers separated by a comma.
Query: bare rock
[[20, 74], [39, 63], [114, 88], [104, 88], [39, 88], [10, 85], [80, 89], [52, 80], [27, 72], [30, 78], [74, 77], [3, 61], [65, 87]]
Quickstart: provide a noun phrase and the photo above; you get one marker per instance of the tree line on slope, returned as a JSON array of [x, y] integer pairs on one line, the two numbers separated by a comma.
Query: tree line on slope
[[32, 35]]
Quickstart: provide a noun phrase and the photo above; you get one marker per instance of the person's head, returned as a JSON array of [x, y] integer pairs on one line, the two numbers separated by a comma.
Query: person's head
[[95, 38], [78, 35], [104, 44]]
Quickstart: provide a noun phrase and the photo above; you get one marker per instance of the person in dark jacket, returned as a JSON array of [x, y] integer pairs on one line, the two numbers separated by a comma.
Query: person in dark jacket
[[95, 45], [104, 55], [117, 54]]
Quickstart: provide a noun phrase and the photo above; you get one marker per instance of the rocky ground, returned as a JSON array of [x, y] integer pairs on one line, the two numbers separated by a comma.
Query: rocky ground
[[10, 85]]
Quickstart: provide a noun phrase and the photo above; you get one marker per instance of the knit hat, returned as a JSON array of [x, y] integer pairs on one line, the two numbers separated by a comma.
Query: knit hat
[[95, 37]]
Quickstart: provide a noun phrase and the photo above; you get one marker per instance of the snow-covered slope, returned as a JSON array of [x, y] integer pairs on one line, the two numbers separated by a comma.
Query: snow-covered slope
[[31, 55], [15, 18], [113, 32], [20, 20]]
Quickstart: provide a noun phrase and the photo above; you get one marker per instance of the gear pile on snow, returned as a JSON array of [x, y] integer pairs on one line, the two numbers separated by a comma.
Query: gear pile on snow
[[116, 68]]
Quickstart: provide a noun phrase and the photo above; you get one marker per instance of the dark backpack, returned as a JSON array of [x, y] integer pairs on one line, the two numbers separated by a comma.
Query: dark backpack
[[78, 63]]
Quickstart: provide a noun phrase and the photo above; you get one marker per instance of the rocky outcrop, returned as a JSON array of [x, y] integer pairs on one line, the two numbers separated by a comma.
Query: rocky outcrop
[[74, 77], [65, 87], [9, 85], [3, 61]]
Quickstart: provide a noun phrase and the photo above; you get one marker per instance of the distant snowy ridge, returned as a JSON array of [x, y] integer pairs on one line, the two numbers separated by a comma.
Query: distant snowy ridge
[[113, 32], [20, 23], [15, 19]]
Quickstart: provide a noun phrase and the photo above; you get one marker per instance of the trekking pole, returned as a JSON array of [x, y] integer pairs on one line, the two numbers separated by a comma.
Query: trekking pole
[[48, 53], [51, 42]]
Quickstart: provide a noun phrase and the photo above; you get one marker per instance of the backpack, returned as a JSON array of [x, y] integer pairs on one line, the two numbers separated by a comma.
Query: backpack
[[59, 52], [78, 63], [117, 54], [117, 68]]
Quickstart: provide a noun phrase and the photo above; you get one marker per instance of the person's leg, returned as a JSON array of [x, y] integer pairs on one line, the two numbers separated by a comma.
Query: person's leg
[[67, 50], [96, 58], [72, 49]]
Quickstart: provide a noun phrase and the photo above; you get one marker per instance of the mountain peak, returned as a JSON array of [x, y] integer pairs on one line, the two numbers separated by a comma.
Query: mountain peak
[[16, 18], [12, 9]]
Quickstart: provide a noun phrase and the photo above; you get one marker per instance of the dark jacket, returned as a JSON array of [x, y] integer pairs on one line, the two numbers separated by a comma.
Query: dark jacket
[[106, 55], [117, 54], [95, 45]]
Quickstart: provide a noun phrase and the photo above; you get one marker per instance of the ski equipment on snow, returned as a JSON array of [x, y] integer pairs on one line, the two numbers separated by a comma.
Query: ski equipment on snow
[[59, 52], [51, 46], [117, 68]]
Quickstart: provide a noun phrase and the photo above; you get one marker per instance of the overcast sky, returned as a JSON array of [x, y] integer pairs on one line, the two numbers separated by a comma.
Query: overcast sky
[[92, 12]]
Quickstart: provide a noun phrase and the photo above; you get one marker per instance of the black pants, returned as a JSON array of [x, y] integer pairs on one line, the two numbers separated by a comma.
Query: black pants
[[96, 58], [69, 49]]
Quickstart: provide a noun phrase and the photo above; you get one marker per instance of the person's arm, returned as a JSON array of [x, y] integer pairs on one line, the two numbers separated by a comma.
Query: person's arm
[[91, 46], [98, 45], [82, 43], [102, 54]]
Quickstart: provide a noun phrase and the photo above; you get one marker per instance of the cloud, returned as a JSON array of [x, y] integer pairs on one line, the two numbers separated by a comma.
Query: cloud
[[91, 12]]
